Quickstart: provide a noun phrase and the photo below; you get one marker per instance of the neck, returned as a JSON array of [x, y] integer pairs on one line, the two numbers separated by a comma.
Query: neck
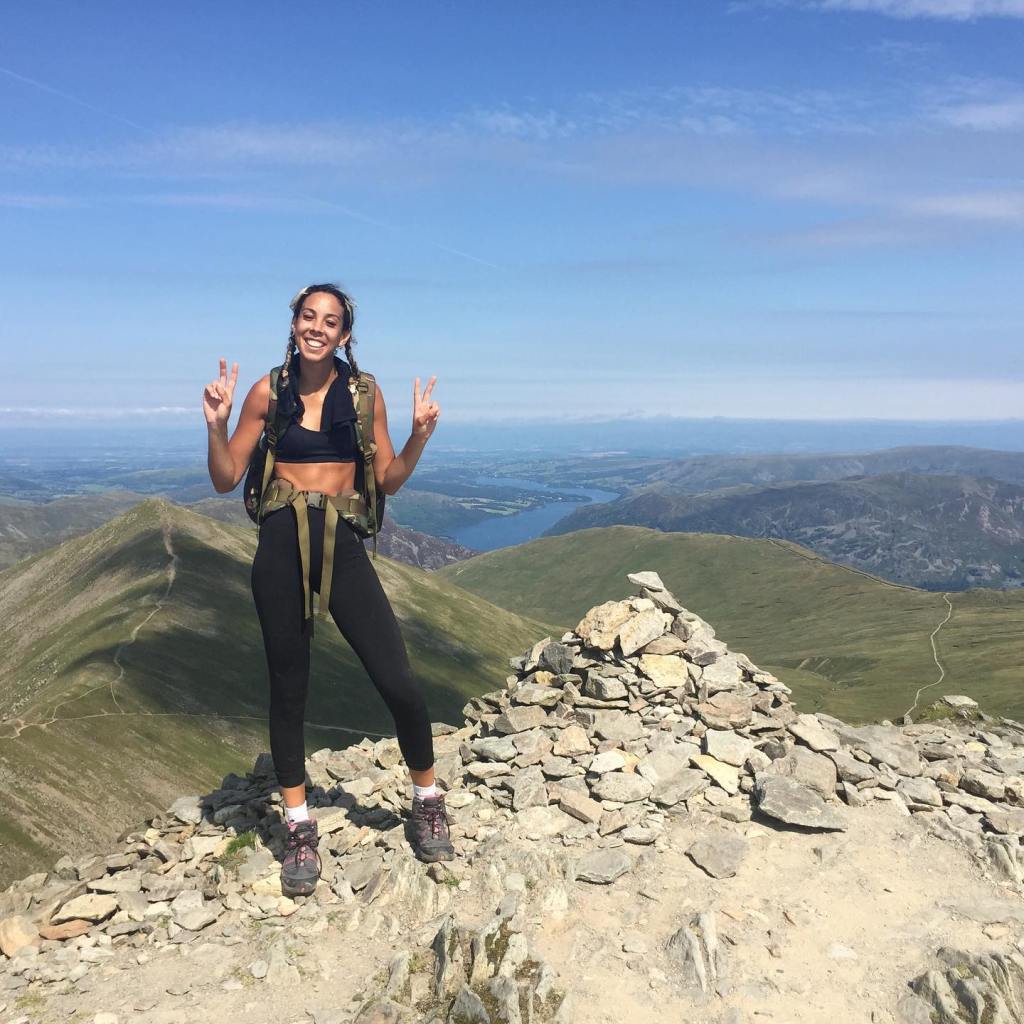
[[314, 377]]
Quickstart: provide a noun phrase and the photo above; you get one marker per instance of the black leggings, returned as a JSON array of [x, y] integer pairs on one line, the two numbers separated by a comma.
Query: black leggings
[[362, 612]]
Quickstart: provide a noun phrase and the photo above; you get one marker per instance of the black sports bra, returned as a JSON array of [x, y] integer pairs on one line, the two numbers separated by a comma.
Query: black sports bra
[[335, 441]]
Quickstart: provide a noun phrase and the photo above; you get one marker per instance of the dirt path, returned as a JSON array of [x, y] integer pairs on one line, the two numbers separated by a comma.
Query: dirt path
[[20, 725], [935, 657]]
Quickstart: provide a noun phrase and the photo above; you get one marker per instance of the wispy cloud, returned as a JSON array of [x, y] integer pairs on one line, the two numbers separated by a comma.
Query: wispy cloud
[[953, 10], [27, 201]]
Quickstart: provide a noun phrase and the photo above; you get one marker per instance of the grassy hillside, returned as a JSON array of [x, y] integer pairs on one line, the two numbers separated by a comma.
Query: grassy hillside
[[846, 642], [936, 531], [134, 672]]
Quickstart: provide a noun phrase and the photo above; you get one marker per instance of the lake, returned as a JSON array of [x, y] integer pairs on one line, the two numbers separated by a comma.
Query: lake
[[504, 531]]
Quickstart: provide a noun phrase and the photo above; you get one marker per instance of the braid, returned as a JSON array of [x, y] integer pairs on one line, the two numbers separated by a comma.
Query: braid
[[349, 357], [289, 353]]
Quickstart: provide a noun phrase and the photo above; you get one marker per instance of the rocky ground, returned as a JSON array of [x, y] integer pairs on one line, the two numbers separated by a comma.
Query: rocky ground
[[645, 828]]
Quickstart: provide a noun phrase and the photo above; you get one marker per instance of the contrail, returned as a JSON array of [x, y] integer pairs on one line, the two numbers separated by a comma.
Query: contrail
[[390, 227], [73, 99], [324, 202]]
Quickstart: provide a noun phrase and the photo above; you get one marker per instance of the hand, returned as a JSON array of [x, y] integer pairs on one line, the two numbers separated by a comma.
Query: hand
[[218, 395], [424, 412]]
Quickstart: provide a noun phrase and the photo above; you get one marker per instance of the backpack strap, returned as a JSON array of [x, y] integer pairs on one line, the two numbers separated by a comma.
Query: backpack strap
[[271, 433], [364, 394]]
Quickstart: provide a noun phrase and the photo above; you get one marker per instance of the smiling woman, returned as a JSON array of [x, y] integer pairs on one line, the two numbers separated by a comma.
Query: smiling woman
[[305, 545]]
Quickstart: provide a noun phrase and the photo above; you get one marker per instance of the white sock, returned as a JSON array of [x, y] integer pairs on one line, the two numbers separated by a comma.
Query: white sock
[[422, 791], [299, 813]]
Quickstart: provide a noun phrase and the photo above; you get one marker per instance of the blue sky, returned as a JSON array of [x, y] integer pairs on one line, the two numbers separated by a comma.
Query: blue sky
[[773, 208]]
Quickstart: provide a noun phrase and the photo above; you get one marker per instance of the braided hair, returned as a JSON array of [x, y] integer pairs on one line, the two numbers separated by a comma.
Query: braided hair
[[348, 316]]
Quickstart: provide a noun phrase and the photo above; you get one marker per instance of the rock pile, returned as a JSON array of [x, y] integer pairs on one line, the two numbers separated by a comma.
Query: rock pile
[[569, 773]]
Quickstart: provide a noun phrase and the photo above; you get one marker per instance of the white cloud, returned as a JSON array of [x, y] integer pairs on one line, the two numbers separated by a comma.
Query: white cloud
[[998, 207], [954, 10]]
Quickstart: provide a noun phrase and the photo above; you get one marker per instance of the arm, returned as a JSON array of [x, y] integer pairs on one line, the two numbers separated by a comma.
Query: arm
[[391, 470], [227, 460]]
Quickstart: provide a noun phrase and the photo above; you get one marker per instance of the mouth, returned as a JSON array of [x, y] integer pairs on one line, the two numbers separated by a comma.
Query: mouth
[[316, 346]]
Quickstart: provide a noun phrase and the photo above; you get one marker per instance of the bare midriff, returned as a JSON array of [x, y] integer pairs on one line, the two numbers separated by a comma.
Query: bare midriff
[[327, 477]]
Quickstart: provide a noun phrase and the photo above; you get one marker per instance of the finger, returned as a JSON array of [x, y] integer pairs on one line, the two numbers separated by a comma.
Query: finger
[[234, 378], [416, 392], [223, 369], [429, 388]]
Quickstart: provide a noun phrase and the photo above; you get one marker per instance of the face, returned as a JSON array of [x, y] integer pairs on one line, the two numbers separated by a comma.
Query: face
[[318, 327]]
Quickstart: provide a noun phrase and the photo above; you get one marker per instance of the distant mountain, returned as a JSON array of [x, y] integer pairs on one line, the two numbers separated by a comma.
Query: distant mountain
[[712, 472], [134, 670], [848, 643], [939, 532], [28, 527]]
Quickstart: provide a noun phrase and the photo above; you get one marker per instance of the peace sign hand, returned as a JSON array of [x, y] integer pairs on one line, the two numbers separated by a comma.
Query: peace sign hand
[[424, 412], [218, 395]]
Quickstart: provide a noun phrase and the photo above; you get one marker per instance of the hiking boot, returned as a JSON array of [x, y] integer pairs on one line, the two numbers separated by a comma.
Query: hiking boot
[[429, 829], [301, 866]]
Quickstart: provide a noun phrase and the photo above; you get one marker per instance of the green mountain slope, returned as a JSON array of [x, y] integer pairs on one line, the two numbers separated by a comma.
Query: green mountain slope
[[939, 532], [846, 642], [134, 672]]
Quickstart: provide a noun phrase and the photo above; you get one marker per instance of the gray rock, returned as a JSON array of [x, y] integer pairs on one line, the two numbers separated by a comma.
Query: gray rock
[[602, 867], [556, 658], [985, 987], [529, 790], [694, 949], [728, 746], [722, 674], [531, 693], [641, 629], [468, 1008], [809, 730], [622, 787], [802, 765], [122, 881], [782, 798], [719, 855], [646, 578], [187, 809], [689, 782], [884, 745], [726, 711], [92, 907], [605, 688], [494, 748], [519, 719]]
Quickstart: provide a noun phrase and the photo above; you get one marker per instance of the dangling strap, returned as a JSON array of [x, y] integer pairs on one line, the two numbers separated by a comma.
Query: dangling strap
[[327, 567], [298, 502]]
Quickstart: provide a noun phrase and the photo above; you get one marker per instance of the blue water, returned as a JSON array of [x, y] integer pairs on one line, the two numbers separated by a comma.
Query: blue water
[[504, 531]]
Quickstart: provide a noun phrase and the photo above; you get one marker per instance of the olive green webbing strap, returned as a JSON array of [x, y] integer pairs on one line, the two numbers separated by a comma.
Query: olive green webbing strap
[[327, 568], [297, 500]]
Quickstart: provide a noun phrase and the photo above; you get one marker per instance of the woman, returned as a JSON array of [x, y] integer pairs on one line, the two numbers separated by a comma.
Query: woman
[[316, 458]]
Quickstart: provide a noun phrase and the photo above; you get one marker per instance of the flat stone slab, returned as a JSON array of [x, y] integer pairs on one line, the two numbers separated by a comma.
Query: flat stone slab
[[602, 867], [785, 800], [720, 855], [91, 907]]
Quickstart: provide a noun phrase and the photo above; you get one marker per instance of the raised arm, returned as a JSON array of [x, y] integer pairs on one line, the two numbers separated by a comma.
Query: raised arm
[[389, 469], [227, 460]]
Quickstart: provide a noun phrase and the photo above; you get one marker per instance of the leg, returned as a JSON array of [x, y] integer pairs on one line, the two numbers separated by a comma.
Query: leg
[[277, 592], [367, 621], [363, 614]]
